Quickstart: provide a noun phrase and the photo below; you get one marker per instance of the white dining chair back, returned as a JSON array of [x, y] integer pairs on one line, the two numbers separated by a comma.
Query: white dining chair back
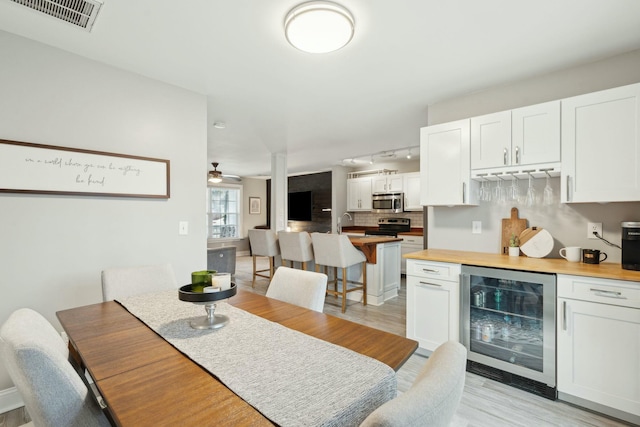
[[300, 287], [337, 251], [434, 396], [127, 281], [295, 246], [36, 358], [264, 243]]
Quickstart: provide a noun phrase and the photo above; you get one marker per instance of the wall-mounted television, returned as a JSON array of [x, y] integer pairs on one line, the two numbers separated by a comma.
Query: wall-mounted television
[[300, 206]]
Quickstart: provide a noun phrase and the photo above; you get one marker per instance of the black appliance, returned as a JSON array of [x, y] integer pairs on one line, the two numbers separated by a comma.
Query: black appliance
[[631, 245], [390, 227]]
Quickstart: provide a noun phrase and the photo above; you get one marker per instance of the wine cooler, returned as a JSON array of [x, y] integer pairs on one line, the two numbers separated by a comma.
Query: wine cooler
[[508, 326]]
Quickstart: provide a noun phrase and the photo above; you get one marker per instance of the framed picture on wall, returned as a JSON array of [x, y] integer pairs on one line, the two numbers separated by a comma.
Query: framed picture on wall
[[254, 205]]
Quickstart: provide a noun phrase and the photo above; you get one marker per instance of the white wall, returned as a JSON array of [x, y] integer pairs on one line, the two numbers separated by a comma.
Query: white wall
[[53, 248], [450, 228]]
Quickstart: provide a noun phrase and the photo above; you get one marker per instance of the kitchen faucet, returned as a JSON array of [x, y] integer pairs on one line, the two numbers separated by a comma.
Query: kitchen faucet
[[340, 221]]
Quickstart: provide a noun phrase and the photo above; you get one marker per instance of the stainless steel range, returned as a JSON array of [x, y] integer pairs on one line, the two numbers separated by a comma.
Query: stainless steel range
[[390, 227]]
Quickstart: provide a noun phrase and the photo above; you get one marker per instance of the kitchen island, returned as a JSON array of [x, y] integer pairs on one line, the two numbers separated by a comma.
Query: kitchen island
[[383, 268]]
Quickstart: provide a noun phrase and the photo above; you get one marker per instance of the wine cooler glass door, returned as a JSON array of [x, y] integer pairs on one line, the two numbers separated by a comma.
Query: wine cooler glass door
[[509, 321]]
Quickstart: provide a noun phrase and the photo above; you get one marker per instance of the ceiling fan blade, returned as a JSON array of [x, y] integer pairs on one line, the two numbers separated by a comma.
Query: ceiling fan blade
[[233, 177]]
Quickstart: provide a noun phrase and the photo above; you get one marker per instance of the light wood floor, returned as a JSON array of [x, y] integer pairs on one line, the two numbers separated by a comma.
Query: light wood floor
[[485, 403]]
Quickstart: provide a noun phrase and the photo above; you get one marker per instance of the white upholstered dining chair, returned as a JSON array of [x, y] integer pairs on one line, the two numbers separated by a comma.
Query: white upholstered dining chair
[[434, 396], [295, 246], [263, 243], [36, 358], [300, 287], [127, 281], [337, 251]]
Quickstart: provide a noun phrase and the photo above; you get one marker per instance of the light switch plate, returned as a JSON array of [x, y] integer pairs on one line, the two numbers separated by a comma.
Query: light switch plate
[[183, 228], [476, 227]]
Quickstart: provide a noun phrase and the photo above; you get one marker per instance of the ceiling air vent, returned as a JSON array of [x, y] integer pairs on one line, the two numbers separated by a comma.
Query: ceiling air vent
[[81, 13]]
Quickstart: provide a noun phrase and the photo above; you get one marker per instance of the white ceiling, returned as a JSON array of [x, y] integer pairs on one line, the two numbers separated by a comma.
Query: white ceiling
[[368, 97]]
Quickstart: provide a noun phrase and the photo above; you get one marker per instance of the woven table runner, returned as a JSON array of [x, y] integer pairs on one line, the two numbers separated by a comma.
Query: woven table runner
[[290, 377]]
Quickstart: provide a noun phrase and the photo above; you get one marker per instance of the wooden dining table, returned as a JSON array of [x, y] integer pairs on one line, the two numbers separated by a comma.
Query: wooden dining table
[[145, 381]]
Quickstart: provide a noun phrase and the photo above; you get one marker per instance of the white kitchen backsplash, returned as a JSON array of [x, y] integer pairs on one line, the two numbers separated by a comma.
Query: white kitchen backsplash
[[369, 219]]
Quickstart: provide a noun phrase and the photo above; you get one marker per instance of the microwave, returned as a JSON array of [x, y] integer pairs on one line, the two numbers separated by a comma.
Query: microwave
[[387, 203]]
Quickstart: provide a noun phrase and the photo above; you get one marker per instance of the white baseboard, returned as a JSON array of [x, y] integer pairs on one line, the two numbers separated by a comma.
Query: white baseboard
[[10, 399]]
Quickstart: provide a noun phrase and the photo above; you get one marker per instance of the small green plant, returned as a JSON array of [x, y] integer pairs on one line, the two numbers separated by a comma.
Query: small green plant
[[514, 241]]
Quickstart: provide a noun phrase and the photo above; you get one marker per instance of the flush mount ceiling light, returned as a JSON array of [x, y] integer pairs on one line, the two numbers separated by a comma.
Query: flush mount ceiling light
[[319, 26]]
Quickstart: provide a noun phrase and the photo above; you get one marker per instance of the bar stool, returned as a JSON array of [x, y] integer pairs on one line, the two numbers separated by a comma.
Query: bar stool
[[295, 246], [263, 243], [337, 251]]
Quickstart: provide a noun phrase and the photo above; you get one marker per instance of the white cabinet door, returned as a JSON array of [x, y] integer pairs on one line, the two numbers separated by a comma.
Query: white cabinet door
[[535, 134], [598, 349], [387, 183], [445, 165], [433, 305], [491, 140], [409, 244], [359, 194], [601, 146], [411, 188]]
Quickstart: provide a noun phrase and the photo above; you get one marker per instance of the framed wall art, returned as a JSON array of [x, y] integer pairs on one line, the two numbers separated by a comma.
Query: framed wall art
[[254, 205], [49, 169]]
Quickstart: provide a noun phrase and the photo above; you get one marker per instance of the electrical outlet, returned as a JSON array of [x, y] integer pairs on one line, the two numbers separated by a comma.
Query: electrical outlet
[[594, 226], [476, 227]]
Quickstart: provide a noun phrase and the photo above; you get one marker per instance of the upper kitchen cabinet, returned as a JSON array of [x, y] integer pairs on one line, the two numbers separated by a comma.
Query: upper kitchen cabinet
[[411, 187], [445, 165], [521, 137], [387, 183], [359, 194], [535, 134], [491, 140], [601, 146]]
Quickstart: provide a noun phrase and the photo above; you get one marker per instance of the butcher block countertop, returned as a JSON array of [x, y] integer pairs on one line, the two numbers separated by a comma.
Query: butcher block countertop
[[367, 244], [361, 229], [605, 270]]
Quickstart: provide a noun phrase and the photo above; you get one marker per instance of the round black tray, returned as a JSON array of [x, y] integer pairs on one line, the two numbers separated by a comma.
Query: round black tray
[[185, 294]]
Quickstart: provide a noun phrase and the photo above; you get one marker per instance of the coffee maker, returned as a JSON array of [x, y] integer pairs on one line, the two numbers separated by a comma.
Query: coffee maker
[[631, 245]]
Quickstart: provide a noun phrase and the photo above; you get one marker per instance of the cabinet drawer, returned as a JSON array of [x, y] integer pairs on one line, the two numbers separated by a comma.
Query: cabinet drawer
[[435, 270], [606, 291], [412, 240]]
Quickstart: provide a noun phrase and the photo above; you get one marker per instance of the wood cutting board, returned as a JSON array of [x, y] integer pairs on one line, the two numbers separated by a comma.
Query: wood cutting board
[[513, 225]]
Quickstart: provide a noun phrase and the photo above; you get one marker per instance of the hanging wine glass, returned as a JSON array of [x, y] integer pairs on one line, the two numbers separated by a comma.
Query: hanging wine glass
[[531, 193], [547, 196], [514, 190], [499, 191], [482, 191]]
